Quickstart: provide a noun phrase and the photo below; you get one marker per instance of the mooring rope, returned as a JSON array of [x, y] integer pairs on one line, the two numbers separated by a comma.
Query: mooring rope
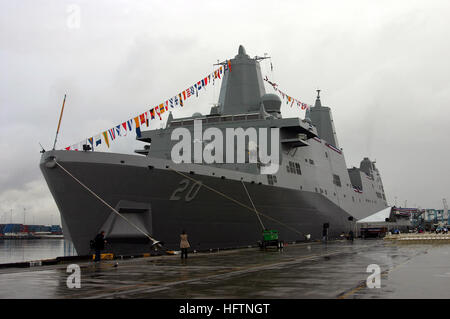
[[257, 213], [237, 202], [154, 241]]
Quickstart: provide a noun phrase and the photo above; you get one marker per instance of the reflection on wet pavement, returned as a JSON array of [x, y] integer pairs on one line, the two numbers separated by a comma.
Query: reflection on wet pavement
[[315, 270]]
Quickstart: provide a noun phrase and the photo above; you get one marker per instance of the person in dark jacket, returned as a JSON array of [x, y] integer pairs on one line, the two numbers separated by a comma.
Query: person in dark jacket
[[99, 244], [324, 234], [351, 235]]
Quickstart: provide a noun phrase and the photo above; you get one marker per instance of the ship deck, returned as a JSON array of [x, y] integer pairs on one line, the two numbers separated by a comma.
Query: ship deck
[[337, 269]]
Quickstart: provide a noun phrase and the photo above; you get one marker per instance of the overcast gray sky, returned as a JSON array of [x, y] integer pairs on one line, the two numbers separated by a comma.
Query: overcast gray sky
[[383, 67]]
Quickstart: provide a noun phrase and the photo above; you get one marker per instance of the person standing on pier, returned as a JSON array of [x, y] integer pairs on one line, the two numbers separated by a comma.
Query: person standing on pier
[[325, 232], [351, 235], [99, 244], [184, 244]]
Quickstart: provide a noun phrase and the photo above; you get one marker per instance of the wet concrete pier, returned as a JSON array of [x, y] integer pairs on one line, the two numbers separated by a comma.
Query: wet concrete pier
[[310, 270]]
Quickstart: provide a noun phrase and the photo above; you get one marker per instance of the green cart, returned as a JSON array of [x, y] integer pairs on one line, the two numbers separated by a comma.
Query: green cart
[[270, 239]]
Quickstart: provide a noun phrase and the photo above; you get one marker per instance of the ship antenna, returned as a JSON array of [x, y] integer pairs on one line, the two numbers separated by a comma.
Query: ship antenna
[[59, 123], [43, 150]]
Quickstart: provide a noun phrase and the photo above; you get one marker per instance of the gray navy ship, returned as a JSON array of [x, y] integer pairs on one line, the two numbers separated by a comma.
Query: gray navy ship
[[312, 189]]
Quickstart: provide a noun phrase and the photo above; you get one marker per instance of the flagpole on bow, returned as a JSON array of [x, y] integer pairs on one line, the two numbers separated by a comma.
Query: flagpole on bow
[[59, 123]]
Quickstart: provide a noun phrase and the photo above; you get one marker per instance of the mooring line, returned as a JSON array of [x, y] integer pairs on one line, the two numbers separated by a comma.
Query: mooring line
[[154, 241], [237, 202], [257, 213]]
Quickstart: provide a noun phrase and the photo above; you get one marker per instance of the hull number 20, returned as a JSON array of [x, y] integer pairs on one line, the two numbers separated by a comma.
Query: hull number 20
[[189, 193]]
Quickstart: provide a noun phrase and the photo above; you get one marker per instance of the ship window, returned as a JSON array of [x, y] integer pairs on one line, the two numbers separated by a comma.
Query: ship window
[[213, 119], [274, 178], [336, 180], [292, 167], [326, 192], [353, 198], [287, 169], [297, 168], [311, 162], [306, 160], [316, 189], [321, 191], [269, 179], [253, 117], [326, 154]]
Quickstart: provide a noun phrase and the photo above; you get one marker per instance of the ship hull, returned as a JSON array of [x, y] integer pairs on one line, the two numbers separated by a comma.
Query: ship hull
[[163, 202]]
